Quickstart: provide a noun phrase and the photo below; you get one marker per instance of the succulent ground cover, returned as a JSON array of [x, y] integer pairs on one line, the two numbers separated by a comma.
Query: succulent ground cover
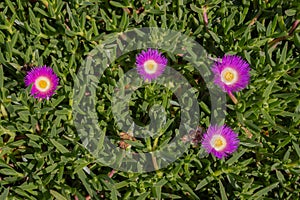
[[50, 77]]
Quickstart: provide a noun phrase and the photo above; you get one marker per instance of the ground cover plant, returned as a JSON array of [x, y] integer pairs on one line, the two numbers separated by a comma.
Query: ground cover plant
[[47, 58]]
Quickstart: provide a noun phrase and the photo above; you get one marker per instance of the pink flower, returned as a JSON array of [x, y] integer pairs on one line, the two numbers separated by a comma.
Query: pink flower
[[150, 64], [44, 82], [220, 141], [232, 73]]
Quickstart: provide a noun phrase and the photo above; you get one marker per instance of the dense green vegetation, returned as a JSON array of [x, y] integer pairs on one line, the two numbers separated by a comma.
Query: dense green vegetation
[[42, 155]]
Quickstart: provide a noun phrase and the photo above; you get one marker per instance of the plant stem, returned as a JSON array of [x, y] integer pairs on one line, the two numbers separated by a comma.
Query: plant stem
[[232, 97], [154, 161], [276, 40], [155, 144], [205, 18], [255, 18]]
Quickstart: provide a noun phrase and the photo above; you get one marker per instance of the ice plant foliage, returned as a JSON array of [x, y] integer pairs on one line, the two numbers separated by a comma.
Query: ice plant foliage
[[44, 82], [231, 74], [220, 141], [150, 64]]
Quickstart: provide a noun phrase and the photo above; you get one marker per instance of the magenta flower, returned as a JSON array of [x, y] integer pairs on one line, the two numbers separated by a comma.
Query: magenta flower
[[231, 74], [150, 64], [44, 82], [220, 141]]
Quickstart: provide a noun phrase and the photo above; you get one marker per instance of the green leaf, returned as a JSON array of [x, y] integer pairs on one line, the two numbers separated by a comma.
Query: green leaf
[[170, 196], [4, 194], [143, 196], [24, 194], [264, 191], [161, 183], [34, 137], [158, 187], [28, 186], [249, 143], [37, 9], [155, 12], [214, 36], [59, 146], [10, 172], [290, 12], [137, 144], [268, 117], [124, 21], [1, 77], [229, 22], [222, 190], [50, 169], [11, 7], [83, 179], [297, 149], [196, 9], [57, 195], [280, 176], [235, 157], [284, 143], [204, 182], [56, 102], [204, 107], [187, 188], [297, 39], [283, 54], [117, 4]]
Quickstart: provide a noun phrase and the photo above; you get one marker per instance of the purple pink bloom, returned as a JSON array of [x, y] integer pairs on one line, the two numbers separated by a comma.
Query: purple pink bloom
[[232, 73], [220, 141], [150, 64], [43, 80]]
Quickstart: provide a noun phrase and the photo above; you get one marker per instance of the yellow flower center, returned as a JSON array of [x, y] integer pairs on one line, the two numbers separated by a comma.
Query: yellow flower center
[[218, 142], [150, 66], [42, 84], [229, 76]]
